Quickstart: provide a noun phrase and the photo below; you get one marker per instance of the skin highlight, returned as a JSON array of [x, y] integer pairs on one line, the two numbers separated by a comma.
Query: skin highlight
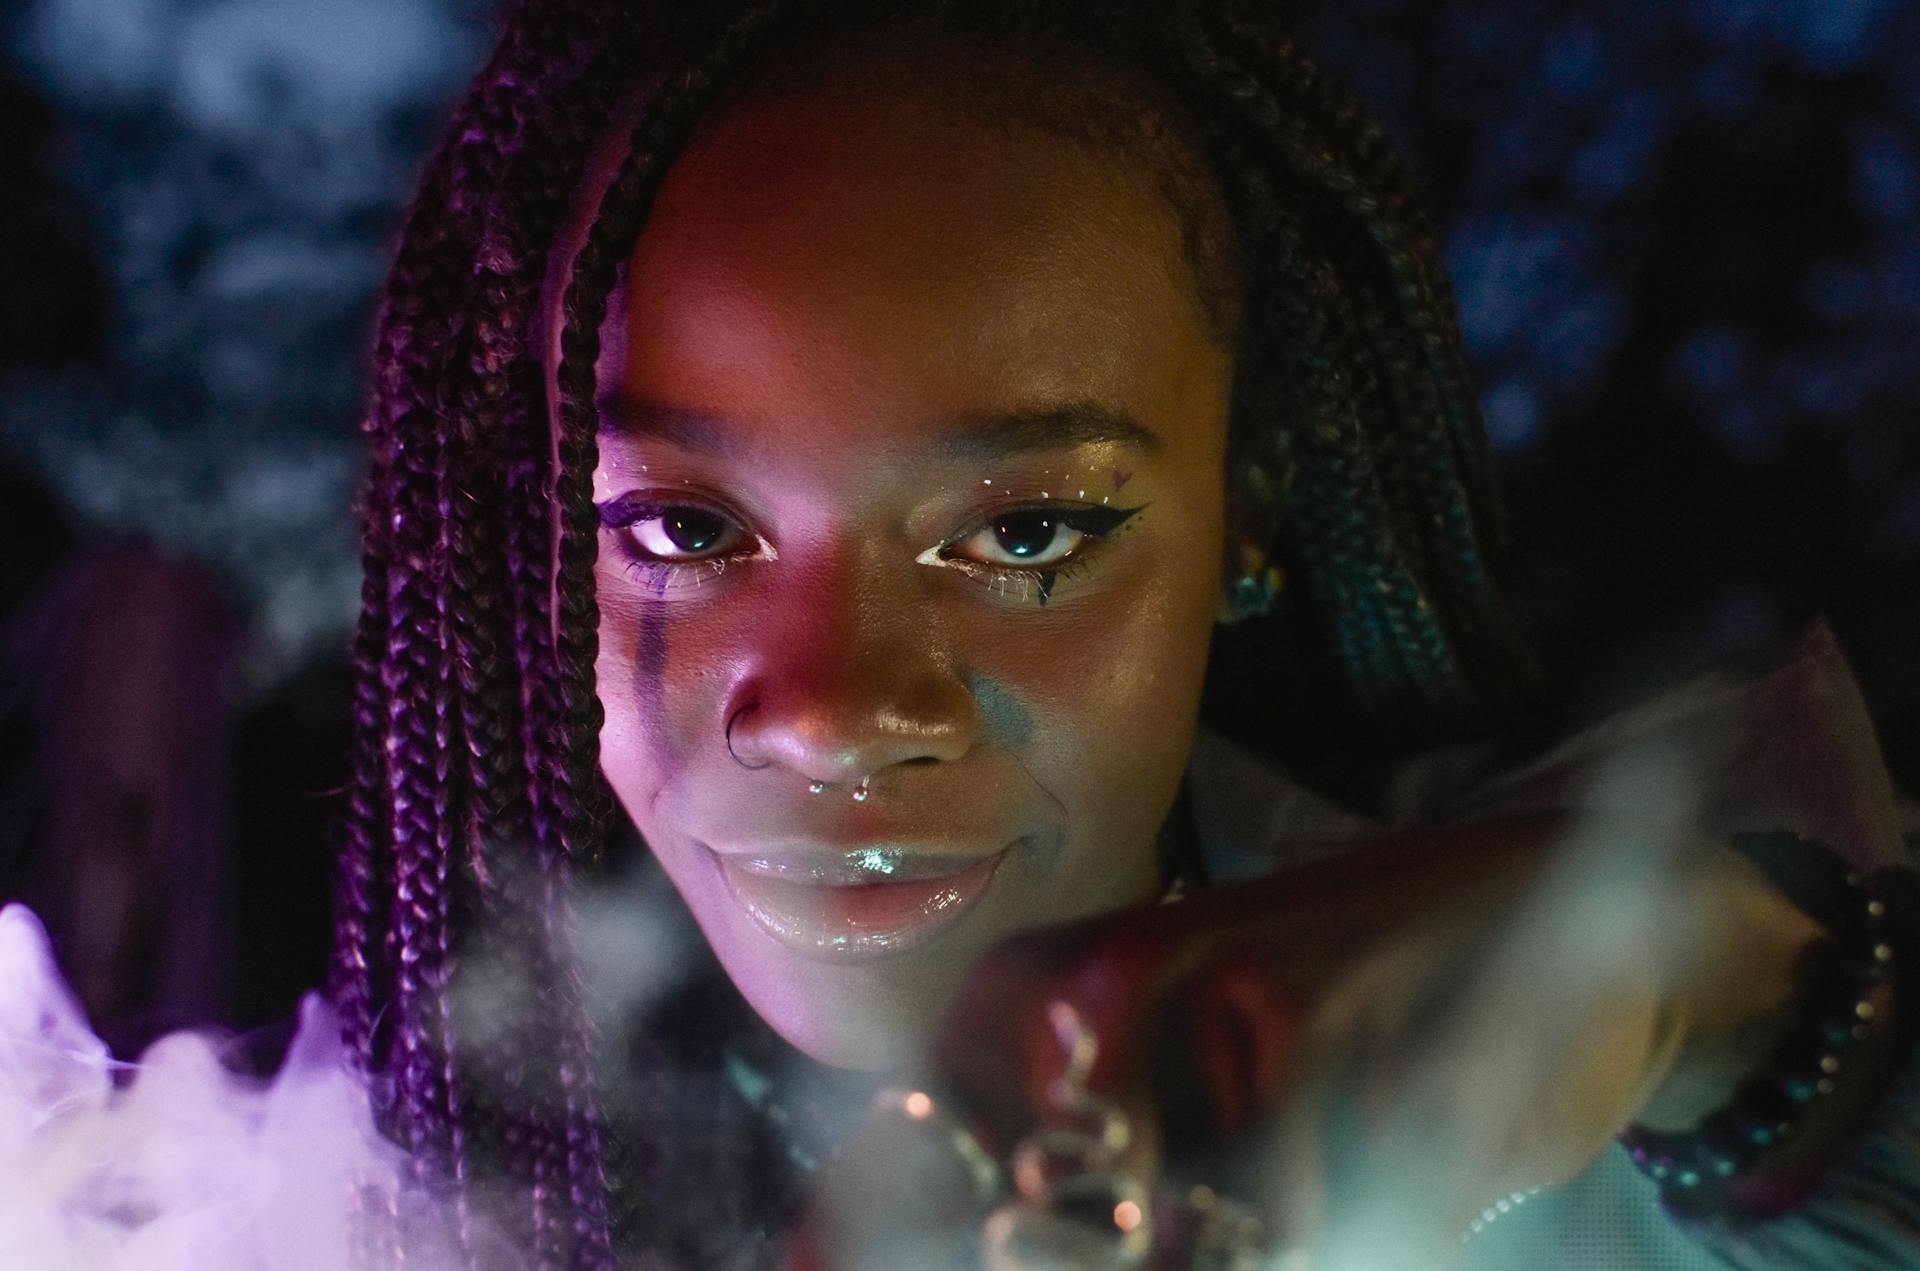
[[953, 272]]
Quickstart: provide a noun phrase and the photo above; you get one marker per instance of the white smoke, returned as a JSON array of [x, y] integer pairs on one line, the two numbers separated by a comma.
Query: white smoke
[[175, 1162], [178, 1163]]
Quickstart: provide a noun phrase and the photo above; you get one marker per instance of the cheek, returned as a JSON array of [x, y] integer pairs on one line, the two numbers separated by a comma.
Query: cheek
[[1113, 690], [650, 678]]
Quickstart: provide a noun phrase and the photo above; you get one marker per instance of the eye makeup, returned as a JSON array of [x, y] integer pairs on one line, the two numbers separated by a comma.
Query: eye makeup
[[1094, 524], [674, 519], [1013, 550]]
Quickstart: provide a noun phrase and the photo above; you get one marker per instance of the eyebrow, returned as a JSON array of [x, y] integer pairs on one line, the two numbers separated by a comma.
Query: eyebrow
[[970, 438]]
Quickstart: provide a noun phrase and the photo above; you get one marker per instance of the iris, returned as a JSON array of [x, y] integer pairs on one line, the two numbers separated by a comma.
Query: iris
[[1025, 533], [692, 529]]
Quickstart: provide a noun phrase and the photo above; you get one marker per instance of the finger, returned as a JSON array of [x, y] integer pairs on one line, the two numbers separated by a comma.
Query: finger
[[1242, 1030]]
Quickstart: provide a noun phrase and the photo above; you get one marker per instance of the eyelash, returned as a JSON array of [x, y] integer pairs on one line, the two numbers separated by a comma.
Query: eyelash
[[1097, 523], [658, 575]]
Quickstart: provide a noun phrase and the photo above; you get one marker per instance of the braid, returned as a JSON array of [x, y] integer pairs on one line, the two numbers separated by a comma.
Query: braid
[[361, 909], [360, 965], [580, 801], [1392, 467], [493, 408], [432, 682]]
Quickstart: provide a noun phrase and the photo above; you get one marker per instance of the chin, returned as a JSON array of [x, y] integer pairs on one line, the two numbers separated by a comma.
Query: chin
[[871, 1018], [851, 1047]]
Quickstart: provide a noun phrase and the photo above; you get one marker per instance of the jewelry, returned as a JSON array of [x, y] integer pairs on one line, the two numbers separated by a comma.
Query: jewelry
[[1065, 1195], [860, 791], [1254, 594], [1492, 1213], [727, 735], [1254, 591], [1869, 921], [1077, 1202]]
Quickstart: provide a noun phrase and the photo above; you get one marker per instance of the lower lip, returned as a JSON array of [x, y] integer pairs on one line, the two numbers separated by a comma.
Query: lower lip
[[870, 920]]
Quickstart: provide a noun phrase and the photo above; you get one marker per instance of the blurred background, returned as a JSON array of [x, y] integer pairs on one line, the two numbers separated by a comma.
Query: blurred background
[[1685, 236]]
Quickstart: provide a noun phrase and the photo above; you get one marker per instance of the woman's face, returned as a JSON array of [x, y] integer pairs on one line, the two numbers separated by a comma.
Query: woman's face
[[912, 484]]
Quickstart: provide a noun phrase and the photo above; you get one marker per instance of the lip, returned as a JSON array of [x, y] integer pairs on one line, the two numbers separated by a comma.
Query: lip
[[856, 905]]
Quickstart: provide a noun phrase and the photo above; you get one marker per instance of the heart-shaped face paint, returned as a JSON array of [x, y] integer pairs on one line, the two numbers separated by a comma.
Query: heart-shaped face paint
[[1120, 477]]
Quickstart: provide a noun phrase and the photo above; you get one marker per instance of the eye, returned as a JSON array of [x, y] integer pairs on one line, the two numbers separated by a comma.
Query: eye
[[1030, 540], [684, 533], [1034, 537], [674, 542]]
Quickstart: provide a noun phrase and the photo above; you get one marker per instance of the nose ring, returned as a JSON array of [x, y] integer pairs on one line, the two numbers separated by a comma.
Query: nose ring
[[727, 735]]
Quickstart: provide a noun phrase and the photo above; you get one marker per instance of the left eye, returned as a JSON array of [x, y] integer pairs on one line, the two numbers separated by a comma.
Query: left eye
[[1032, 537]]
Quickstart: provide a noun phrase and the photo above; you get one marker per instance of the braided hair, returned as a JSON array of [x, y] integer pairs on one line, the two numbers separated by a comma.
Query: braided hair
[[1356, 453]]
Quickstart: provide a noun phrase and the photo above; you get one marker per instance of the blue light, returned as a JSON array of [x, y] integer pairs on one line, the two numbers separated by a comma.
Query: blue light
[[1574, 59], [1713, 362], [1885, 172], [1512, 410]]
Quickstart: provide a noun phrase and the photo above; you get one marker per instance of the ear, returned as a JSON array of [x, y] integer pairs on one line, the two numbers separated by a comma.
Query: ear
[[1251, 584]]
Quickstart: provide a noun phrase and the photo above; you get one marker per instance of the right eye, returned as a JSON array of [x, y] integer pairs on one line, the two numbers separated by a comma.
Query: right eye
[[657, 531], [683, 533]]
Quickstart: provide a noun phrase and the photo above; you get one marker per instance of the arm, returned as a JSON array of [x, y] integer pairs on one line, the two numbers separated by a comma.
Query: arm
[[1502, 994], [1793, 749]]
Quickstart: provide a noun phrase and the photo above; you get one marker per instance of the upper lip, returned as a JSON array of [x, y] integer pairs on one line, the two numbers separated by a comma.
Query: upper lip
[[852, 867]]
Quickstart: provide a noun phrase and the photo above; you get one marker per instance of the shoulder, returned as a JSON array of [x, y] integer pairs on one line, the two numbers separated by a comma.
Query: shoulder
[[1786, 745]]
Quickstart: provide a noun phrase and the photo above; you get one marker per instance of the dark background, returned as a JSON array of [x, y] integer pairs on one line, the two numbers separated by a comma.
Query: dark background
[[1685, 236]]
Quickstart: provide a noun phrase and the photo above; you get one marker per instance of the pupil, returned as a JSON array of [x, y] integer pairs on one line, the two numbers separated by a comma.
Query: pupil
[[692, 530], [1025, 533]]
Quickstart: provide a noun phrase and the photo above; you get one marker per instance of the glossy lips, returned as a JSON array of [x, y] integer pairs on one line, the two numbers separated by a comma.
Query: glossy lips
[[858, 905]]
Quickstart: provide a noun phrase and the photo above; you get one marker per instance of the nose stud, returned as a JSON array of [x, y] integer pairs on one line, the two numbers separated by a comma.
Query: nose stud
[[815, 787]]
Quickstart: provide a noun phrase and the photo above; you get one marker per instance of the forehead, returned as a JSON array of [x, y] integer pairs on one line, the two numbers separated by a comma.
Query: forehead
[[855, 248]]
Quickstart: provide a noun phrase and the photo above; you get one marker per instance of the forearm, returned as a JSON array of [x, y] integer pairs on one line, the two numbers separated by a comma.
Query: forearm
[[1734, 984], [1763, 1018]]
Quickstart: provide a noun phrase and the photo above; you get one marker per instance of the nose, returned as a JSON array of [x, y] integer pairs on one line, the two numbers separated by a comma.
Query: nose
[[842, 686]]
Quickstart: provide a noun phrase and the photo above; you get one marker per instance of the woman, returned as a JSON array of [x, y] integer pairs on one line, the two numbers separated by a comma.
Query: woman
[[833, 433]]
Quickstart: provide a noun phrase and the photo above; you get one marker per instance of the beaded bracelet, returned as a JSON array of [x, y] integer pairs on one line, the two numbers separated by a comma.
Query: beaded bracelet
[[1869, 921]]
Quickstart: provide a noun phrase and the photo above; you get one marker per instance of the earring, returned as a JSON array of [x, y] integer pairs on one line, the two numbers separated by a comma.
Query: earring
[[1254, 591]]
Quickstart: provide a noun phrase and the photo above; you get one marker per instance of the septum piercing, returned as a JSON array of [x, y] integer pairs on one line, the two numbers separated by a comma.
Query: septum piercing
[[860, 791]]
